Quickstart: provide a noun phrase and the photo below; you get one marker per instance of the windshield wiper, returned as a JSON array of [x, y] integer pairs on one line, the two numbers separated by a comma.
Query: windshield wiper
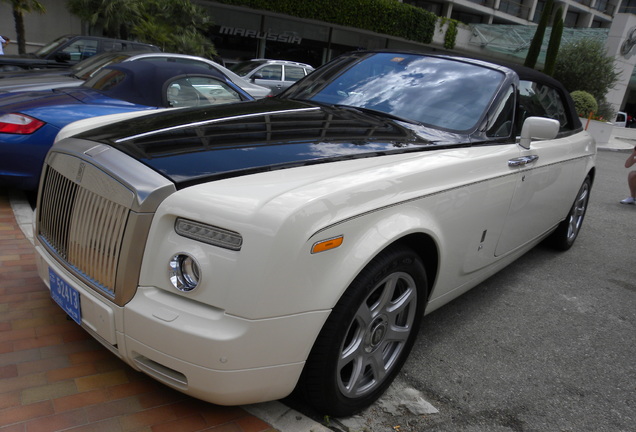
[[380, 113], [362, 109]]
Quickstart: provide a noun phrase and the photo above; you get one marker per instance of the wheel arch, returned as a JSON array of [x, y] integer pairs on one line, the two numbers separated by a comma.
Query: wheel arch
[[427, 249], [414, 230], [592, 174], [376, 238]]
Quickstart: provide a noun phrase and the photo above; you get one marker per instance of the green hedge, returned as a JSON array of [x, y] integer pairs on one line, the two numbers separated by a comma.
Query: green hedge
[[380, 16], [584, 103]]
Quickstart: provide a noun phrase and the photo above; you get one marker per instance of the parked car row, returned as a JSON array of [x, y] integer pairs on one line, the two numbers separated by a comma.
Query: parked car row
[[48, 79], [68, 50], [36, 102], [30, 121]]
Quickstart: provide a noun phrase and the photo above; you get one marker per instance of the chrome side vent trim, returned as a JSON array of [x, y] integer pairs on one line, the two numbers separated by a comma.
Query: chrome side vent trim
[[160, 372]]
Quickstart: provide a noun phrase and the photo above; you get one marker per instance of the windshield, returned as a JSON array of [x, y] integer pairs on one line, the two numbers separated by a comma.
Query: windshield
[[47, 49], [242, 69], [434, 91], [86, 68], [105, 79]]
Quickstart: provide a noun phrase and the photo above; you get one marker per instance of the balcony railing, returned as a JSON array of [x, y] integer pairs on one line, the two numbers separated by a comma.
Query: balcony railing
[[487, 3]]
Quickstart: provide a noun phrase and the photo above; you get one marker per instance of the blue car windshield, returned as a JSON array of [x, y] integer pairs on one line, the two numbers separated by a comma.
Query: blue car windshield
[[434, 91]]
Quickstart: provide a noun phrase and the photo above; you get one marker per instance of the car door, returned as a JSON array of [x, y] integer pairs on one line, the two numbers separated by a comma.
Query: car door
[[270, 76], [292, 74], [545, 186]]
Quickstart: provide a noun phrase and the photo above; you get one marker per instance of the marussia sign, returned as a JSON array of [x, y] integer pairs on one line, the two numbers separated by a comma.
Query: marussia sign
[[270, 36]]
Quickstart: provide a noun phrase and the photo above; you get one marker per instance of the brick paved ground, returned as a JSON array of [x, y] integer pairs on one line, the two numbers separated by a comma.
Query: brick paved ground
[[55, 377]]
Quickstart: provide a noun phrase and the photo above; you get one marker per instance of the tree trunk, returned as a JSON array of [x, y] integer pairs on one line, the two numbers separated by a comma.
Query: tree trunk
[[19, 30]]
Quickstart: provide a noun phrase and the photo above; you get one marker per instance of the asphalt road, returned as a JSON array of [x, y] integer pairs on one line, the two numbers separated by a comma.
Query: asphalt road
[[548, 344]]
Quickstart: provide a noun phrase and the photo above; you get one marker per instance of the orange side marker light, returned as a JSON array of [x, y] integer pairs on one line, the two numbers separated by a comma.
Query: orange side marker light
[[328, 244]]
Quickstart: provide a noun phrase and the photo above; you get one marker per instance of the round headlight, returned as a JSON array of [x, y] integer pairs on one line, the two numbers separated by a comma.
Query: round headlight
[[184, 272]]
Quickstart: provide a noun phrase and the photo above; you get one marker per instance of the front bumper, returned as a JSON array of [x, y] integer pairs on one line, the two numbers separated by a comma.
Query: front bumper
[[199, 350]]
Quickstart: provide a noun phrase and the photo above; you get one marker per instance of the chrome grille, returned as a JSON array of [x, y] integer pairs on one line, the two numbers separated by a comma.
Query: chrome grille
[[83, 229]]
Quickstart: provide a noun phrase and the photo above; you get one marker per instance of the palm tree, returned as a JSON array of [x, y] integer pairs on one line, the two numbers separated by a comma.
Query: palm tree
[[20, 7], [174, 25], [115, 17]]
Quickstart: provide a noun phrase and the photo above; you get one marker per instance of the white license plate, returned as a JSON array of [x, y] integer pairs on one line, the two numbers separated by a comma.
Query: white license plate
[[66, 296]]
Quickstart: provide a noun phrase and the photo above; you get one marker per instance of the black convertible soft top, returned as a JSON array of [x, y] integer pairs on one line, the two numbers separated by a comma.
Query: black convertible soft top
[[528, 74], [144, 82]]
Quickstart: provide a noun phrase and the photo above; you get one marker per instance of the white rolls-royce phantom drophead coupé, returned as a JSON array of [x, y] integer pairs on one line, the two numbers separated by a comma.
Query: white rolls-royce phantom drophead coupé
[[240, 252]]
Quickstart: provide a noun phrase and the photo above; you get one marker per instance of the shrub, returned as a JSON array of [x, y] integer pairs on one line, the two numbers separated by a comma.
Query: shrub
[[585, 65], [584, 103]]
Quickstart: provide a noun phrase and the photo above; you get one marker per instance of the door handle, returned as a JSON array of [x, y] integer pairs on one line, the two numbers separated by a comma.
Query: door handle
[[522, 161]]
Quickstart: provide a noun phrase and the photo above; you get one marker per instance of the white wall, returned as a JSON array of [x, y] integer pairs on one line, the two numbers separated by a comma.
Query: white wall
[[40, 29], [622, 26]]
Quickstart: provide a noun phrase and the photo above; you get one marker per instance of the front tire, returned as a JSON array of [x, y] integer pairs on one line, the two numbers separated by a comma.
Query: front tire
[[368, 335], [568, 230]]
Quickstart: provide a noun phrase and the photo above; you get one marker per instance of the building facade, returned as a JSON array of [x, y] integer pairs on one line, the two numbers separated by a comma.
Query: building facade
[[493, 29], [579, 14]]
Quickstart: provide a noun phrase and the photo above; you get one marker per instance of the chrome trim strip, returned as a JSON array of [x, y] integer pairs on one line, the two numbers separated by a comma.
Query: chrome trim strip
[[217, 120]]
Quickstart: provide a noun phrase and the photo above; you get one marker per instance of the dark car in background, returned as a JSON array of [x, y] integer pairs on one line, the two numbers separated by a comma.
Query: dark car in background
[[67, 50]]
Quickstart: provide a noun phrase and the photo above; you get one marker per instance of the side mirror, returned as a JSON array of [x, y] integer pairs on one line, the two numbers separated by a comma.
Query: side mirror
[[256, 76], [539, 128]]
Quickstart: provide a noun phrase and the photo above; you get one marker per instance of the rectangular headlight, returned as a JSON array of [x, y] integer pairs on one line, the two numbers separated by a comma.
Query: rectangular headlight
[[209, 234]]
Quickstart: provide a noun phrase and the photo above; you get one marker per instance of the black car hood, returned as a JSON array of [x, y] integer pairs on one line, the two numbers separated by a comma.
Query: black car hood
[[191, 146]]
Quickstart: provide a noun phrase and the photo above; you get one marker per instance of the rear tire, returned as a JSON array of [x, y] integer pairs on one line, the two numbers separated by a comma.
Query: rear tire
[[568, 230], [367, 336]]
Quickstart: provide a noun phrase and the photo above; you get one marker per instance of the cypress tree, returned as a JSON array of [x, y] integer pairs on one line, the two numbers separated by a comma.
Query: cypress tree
[[537, 40], [555, 42]]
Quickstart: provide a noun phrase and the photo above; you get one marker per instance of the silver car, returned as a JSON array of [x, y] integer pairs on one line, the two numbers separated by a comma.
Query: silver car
[[274, 74], [74, 77]]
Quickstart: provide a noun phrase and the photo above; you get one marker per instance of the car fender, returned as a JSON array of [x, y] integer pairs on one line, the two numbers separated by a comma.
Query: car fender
[[363, 239]]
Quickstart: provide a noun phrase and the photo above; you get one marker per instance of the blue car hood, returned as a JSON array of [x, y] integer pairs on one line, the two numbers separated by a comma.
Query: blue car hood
[[61, 107]]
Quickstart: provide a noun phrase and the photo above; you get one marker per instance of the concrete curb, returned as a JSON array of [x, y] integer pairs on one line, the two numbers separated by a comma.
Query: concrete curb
[[621, 139], [24, 215], [284, 418]]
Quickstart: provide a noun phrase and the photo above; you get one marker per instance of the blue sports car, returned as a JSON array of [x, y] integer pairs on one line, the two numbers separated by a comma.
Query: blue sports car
[[30, 121]]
